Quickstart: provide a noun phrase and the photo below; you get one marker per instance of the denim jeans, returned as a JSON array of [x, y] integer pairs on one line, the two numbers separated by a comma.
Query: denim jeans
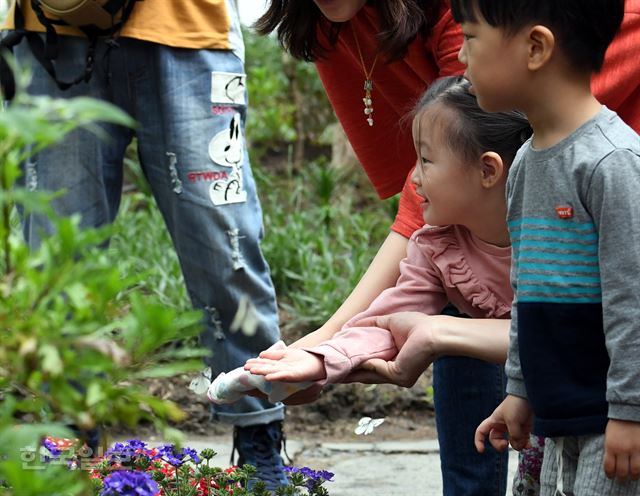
[[190, 106], [466, 391]]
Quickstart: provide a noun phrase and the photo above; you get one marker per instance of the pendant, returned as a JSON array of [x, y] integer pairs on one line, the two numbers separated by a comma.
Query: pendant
[[368, 109]]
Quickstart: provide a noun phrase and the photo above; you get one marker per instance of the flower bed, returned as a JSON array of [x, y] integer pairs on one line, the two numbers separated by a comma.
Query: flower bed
[[133, 469]]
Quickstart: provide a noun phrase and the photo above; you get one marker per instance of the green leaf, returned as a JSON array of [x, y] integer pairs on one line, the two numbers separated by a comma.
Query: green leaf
[[78, 295], [95, 394], [51, 361], [169, 369]]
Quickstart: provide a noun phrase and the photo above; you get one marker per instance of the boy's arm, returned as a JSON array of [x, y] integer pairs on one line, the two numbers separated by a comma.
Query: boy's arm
[[515, 380], [612, 199]]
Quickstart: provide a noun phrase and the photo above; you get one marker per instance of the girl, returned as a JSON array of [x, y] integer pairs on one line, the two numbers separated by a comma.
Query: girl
[[462, 255]]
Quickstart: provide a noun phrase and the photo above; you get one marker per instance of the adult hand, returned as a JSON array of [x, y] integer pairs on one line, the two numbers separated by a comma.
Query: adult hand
[[305, 396], [309, 395], [413, 333], [622, 450], [510, 422]]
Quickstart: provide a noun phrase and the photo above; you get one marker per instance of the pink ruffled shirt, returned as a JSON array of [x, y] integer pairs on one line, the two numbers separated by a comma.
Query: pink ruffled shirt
[[443, 264]]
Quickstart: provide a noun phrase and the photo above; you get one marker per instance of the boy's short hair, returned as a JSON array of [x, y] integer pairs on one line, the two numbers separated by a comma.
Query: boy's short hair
[[583, 28]]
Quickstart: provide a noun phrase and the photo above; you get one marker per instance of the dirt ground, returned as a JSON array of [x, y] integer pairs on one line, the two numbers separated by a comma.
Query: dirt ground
[[408, 413]]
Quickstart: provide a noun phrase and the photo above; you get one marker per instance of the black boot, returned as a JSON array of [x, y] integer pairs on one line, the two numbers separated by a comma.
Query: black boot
[[260, 445]]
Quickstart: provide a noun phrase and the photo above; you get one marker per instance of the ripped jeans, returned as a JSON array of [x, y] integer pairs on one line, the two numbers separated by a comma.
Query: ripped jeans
[[190, 106]]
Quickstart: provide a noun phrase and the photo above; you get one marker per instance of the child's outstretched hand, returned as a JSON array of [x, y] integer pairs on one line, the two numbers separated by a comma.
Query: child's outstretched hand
[[622, 450], [514, 418], [287, 365]]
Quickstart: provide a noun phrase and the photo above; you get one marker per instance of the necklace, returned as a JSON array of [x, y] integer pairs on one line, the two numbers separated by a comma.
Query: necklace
[[368, 82]]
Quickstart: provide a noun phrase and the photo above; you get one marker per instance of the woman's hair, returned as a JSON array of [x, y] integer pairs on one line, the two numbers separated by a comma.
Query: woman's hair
[[474, 131], [296, 23]]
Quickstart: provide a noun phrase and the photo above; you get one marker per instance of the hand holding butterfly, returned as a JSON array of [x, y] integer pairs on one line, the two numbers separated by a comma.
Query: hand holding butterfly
[[288, 365]]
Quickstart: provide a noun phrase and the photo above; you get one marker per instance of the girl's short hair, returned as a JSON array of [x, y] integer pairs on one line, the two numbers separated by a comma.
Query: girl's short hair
[[474, 131], [296, 23]]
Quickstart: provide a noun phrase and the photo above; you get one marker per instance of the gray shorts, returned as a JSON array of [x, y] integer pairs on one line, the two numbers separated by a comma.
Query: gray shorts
[[581, 462]]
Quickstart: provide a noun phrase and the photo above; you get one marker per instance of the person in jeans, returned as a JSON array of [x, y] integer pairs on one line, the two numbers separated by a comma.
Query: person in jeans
[[178, 69]]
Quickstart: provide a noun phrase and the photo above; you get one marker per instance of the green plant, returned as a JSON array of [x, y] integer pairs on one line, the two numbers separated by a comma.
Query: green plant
[[75, 334], [319, 240]]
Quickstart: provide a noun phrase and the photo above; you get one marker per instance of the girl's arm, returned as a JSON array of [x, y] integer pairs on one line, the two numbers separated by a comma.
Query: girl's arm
[[423, 338], [382, 273]]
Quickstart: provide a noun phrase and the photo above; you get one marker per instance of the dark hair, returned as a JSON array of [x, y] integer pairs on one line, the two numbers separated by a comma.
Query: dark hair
[[583, 28], [475, 131], [297, 22]]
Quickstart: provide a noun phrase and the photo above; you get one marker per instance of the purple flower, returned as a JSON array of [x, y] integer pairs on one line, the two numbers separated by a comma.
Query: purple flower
[[51, 446], [176, 458], [125, 452], [314, 478], [125, 483], [191, 453], [314, 475]]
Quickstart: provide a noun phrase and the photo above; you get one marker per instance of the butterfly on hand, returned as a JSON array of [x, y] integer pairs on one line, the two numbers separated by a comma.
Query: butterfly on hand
[[201, 382], [366, 425]]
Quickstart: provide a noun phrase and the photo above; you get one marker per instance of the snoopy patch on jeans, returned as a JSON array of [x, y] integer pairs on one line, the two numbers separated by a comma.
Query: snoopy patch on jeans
[[227, 149], [228, 88]]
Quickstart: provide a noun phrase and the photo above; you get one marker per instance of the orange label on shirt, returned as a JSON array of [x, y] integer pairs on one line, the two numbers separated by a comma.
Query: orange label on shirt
[[564, 211]]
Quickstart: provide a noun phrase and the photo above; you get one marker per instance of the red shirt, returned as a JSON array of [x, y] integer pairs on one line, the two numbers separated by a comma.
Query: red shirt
[[386, 150], [617, 85]]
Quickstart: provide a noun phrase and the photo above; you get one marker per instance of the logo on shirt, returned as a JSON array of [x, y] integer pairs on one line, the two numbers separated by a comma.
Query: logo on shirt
[[564, 211]]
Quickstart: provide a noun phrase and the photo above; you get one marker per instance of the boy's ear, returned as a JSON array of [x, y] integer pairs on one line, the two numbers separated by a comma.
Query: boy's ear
[[492, 169], [541, 44]]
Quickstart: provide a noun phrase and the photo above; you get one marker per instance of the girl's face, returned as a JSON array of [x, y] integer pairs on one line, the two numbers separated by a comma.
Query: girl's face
[[339, 10], [449, 185]]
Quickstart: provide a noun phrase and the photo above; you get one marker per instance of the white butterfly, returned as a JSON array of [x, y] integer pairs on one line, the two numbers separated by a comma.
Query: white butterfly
[[366, 425], [201, 383], [246, 318]]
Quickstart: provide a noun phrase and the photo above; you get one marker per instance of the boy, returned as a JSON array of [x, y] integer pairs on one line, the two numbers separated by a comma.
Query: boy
[[573, 368]]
